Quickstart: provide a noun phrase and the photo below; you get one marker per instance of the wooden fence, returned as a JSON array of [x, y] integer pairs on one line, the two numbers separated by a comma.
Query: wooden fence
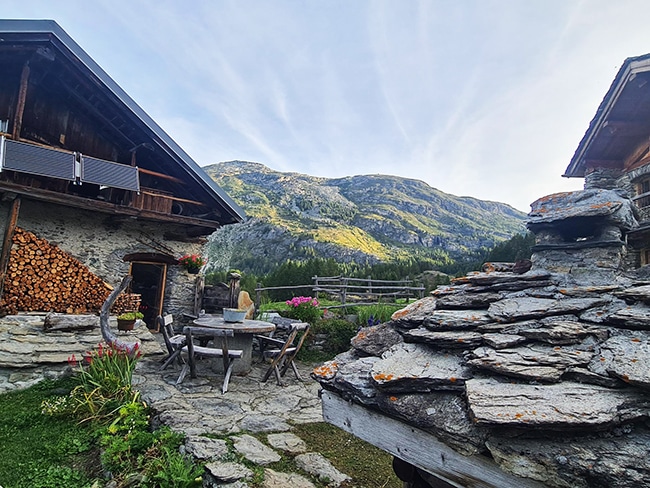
[[357, 291]]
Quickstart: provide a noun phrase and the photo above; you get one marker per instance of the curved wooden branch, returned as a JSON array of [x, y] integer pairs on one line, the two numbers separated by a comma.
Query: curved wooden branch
[[107, 333]]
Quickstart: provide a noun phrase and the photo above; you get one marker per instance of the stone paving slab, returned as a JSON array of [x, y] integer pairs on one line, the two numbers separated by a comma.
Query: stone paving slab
[[197, 408]]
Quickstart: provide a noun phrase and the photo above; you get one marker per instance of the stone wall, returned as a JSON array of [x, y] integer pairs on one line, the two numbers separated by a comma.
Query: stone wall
[[28, 354], [100, 241]]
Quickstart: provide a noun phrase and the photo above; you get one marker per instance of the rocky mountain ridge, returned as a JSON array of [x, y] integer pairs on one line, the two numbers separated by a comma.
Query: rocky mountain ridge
[[363, 219]]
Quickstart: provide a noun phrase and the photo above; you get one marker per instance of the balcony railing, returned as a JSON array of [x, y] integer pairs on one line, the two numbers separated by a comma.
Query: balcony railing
[[65, 165]]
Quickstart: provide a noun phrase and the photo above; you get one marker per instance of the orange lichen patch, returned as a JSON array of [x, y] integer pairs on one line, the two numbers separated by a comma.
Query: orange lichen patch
[[602, 359], [461, 340], [636, 339], [625, 378], [489, 268], [563, 291], [578, 352], [557, 348], [393, 398], [326, 370], [602, 205], [400, 314], [634, 360], [383, 377], [452, 379], [519, 415], [361, 335]]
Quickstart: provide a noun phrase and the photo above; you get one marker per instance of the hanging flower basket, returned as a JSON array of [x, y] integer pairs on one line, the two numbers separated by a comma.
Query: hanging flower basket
[[192, 263]]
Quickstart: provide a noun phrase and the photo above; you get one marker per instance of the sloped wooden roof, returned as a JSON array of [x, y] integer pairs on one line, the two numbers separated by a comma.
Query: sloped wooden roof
[[71, 74], [621, 124]]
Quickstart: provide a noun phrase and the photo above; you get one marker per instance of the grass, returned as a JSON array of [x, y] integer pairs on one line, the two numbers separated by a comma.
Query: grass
[[42, 451], [369, 466]]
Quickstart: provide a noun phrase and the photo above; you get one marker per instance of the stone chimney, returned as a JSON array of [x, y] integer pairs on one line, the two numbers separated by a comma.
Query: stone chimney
[[583, 233]]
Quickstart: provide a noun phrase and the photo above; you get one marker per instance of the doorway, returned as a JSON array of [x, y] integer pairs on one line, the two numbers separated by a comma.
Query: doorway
[[149, 282]]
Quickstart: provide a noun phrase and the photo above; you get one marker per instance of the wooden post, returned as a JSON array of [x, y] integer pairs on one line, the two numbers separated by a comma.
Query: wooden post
[[344, 290], [258, 297], [20, 104], [315, 289], [6, 242]]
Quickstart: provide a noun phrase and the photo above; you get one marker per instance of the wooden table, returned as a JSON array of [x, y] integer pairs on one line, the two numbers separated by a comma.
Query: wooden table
[[243, 338]]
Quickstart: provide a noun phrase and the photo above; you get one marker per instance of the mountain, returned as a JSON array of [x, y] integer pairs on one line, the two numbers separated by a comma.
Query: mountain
[[365, 219]]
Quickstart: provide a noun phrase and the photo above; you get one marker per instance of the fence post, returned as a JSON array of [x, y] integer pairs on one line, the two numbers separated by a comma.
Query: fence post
[[344, 290], [315, 278], [258, 296]]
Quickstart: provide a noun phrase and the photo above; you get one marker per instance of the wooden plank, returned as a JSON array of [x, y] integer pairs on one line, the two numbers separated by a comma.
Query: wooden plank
[[160, 175], [6, 243], [20, 104], [417, 447]]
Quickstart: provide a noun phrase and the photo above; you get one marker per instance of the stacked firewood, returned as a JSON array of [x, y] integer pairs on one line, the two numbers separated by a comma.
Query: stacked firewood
[[43, 278]]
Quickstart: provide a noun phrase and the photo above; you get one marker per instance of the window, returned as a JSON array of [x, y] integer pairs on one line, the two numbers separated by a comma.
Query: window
[[644, 186], [643, 192]]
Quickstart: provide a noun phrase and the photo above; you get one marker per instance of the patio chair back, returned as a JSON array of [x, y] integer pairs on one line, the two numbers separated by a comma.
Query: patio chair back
[[283, 354], [173, 342]]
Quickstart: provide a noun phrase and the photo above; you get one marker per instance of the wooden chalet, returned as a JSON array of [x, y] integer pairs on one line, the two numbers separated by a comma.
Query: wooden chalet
[[617, 144], [90, 183]]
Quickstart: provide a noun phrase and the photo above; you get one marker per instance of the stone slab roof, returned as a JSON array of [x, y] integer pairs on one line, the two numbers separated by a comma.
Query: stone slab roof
[[547, 377]]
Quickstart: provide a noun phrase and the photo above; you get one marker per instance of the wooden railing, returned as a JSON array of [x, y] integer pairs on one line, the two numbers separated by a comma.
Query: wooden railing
[[358, 291]]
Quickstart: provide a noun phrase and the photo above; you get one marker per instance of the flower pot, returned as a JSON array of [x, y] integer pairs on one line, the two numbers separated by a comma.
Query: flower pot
[[193, 270], [125, 324]]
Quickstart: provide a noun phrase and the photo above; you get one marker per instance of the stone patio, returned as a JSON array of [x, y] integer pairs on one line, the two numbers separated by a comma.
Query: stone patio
[[218, 426]]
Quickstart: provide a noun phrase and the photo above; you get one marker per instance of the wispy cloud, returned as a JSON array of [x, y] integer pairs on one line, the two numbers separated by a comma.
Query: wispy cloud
[[484, 98]]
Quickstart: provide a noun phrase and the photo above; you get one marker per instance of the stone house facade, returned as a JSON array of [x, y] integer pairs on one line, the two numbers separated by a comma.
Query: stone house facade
[[98, 187]]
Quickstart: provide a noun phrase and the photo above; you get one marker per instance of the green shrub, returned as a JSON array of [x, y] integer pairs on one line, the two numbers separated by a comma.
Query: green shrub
[[104, 382], [304, 309], [338, 332], [376, 314]]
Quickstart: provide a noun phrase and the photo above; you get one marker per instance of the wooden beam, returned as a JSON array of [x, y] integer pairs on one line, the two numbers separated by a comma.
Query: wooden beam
[[6, 242], [603, 163], [418, 447], [20, 104], [171, 197], [105, 207], [626, 128], [160, 175]]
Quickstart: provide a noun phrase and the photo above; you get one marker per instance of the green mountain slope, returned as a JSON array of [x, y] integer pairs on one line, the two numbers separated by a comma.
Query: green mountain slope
[[363, 219]]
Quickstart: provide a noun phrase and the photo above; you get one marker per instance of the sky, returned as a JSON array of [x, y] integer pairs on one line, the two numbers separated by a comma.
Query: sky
[[481, 98]]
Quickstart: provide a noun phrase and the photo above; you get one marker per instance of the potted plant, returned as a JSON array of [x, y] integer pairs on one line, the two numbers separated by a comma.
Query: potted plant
[[192, 263], [126, 321]]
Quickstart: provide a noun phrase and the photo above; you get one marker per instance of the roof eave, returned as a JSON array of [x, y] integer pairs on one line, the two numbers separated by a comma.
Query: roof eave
[[630, 67]]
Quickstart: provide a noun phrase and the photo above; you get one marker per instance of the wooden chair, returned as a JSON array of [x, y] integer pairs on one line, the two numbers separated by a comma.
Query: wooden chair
[[282, 328], [283, 353], [194, 352], [174, 342]]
